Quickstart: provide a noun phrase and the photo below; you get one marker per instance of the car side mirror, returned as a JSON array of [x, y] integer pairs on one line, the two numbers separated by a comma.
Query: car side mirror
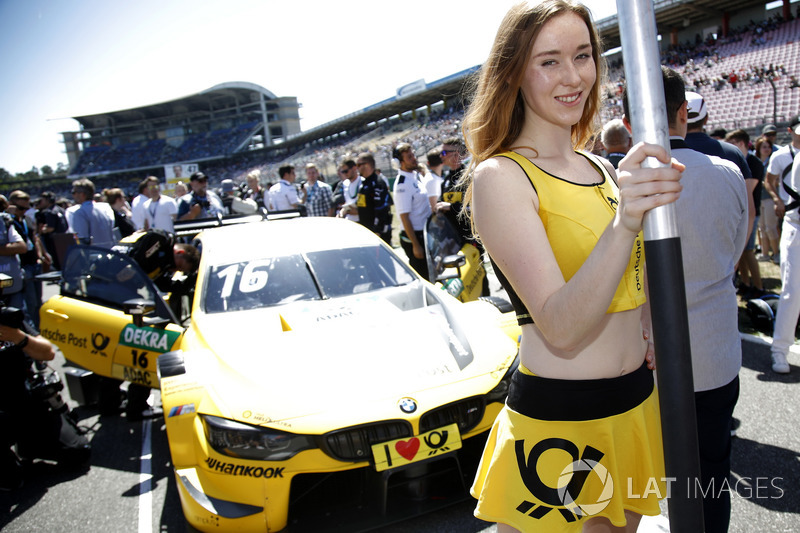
[[450, 262], [138, 308]]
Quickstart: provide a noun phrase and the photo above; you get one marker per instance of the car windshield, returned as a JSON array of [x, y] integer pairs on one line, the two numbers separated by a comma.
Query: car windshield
[[313, 276]]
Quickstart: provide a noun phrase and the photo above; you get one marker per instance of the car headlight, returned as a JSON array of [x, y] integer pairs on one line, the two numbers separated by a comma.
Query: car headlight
[[235, 439], [499, 393]]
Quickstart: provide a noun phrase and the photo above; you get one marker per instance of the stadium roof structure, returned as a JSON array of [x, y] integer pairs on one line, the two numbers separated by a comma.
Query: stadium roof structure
[[447, 89], [678, 14], [220, 97]]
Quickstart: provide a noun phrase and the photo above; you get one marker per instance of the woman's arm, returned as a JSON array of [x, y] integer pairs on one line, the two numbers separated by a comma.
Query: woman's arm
[[566, 313]]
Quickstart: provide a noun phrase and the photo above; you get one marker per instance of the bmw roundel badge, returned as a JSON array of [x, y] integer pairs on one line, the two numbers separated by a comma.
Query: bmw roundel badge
[[407, 405]]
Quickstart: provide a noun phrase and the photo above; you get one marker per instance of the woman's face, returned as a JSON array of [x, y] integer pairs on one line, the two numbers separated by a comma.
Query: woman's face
[[765, 150], [560, 72]]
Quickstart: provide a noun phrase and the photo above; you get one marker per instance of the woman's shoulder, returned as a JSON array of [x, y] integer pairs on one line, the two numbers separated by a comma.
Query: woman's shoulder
[[499, 164]]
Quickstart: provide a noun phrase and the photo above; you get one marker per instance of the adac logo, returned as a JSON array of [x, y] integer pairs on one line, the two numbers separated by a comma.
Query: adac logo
[[100, 342], [564, 497]]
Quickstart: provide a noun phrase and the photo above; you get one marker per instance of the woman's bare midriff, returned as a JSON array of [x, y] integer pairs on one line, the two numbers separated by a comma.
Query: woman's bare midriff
[[616, 348]]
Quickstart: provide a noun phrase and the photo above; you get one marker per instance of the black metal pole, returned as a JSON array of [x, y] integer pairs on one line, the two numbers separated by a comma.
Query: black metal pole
[[665, 273]]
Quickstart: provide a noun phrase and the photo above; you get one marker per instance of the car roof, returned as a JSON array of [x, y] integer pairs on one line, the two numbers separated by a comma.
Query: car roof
[[282, 237]]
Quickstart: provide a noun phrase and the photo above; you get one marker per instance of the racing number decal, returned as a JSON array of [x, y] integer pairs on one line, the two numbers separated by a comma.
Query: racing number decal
[[139, 358], [136, 350], [252, 280]]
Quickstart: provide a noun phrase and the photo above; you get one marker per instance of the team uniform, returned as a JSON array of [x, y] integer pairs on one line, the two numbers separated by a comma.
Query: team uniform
[[375, 206], [283, 196], [350, 191], [789, 307], [562, 451], [411, 198]]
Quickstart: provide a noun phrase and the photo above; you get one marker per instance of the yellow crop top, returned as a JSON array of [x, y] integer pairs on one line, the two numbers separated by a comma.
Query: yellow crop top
[[574, 216]]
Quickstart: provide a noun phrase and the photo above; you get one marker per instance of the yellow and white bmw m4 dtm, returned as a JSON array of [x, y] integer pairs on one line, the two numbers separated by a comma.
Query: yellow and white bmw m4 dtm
[[318, 383]]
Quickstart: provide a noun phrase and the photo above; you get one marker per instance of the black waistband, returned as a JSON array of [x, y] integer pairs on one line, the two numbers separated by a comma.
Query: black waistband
[[574, 400]]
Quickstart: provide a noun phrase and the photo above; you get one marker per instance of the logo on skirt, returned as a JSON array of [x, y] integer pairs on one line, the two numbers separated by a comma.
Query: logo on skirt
[[565, 496]]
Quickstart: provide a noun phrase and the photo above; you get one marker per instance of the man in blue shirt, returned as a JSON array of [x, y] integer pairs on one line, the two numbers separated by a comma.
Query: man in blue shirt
[[200, 203], [92, 222]]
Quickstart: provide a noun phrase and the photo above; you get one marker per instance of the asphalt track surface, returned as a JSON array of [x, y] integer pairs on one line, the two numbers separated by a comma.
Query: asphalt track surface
[[129, 485]]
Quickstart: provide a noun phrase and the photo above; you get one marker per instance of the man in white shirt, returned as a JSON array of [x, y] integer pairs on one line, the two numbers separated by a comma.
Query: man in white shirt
[[137, 205], [159, 211], [283, 195], [351, 185], [413, 208], [433, 179], [783, 169]]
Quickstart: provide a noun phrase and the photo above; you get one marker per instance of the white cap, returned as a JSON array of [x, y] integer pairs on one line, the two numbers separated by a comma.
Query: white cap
[[696, 106]]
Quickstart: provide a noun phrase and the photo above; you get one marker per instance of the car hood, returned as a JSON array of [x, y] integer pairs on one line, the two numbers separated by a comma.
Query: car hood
[[356, 355]]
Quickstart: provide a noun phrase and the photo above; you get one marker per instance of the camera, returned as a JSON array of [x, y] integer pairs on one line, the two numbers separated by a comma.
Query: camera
[[11, 317], [204, 203], [45, 386]]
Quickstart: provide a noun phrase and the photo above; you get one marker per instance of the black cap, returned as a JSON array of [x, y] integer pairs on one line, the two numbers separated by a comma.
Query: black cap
[[198, 176]]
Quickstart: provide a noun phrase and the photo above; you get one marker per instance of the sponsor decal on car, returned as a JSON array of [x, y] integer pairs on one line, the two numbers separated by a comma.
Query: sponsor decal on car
[[181, 410], [65, 338], [403, 451], [241, 470], [134, 375], [148, 338]]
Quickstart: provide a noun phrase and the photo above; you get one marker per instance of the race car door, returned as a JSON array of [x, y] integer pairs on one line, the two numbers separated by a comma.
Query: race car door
[[89, 323]]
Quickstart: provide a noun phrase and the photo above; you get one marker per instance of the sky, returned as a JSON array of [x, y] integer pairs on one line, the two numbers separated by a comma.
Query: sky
[[66, 58]]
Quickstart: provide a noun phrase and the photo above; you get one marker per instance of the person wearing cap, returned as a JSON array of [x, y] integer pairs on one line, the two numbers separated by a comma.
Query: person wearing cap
[[159, 211], [227, 195], [783, 184], [200, 202], [712, 219], [699, 140], [770, 132]]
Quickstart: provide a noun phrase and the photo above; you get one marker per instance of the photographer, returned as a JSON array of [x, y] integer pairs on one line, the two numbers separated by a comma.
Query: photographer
[[32, 413], [200, 203]]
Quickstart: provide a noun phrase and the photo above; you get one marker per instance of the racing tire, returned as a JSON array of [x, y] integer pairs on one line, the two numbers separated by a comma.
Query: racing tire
[[502, 305]]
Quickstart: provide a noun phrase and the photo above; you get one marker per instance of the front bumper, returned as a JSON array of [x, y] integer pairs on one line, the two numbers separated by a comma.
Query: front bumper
[[220, 495]]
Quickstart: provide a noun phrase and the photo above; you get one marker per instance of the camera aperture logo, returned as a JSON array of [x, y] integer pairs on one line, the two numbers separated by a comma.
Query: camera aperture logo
[[590, 467]]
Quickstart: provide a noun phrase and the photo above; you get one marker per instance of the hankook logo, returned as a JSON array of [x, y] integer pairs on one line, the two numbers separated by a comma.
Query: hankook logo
[[407, 405]]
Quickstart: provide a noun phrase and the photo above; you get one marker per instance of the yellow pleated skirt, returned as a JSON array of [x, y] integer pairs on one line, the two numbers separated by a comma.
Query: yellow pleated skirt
[[564, 451]]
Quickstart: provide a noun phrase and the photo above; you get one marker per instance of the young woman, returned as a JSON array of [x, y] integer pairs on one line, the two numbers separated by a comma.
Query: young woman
[[579, 442]]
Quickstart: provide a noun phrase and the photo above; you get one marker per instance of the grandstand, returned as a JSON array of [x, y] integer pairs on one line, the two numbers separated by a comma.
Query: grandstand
[[211, 125], [233, 128]]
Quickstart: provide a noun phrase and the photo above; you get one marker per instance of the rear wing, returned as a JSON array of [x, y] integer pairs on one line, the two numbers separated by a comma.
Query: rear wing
[[185, 230]]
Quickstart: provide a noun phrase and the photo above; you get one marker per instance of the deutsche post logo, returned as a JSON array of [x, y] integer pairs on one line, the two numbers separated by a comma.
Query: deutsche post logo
[[565, 496]]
